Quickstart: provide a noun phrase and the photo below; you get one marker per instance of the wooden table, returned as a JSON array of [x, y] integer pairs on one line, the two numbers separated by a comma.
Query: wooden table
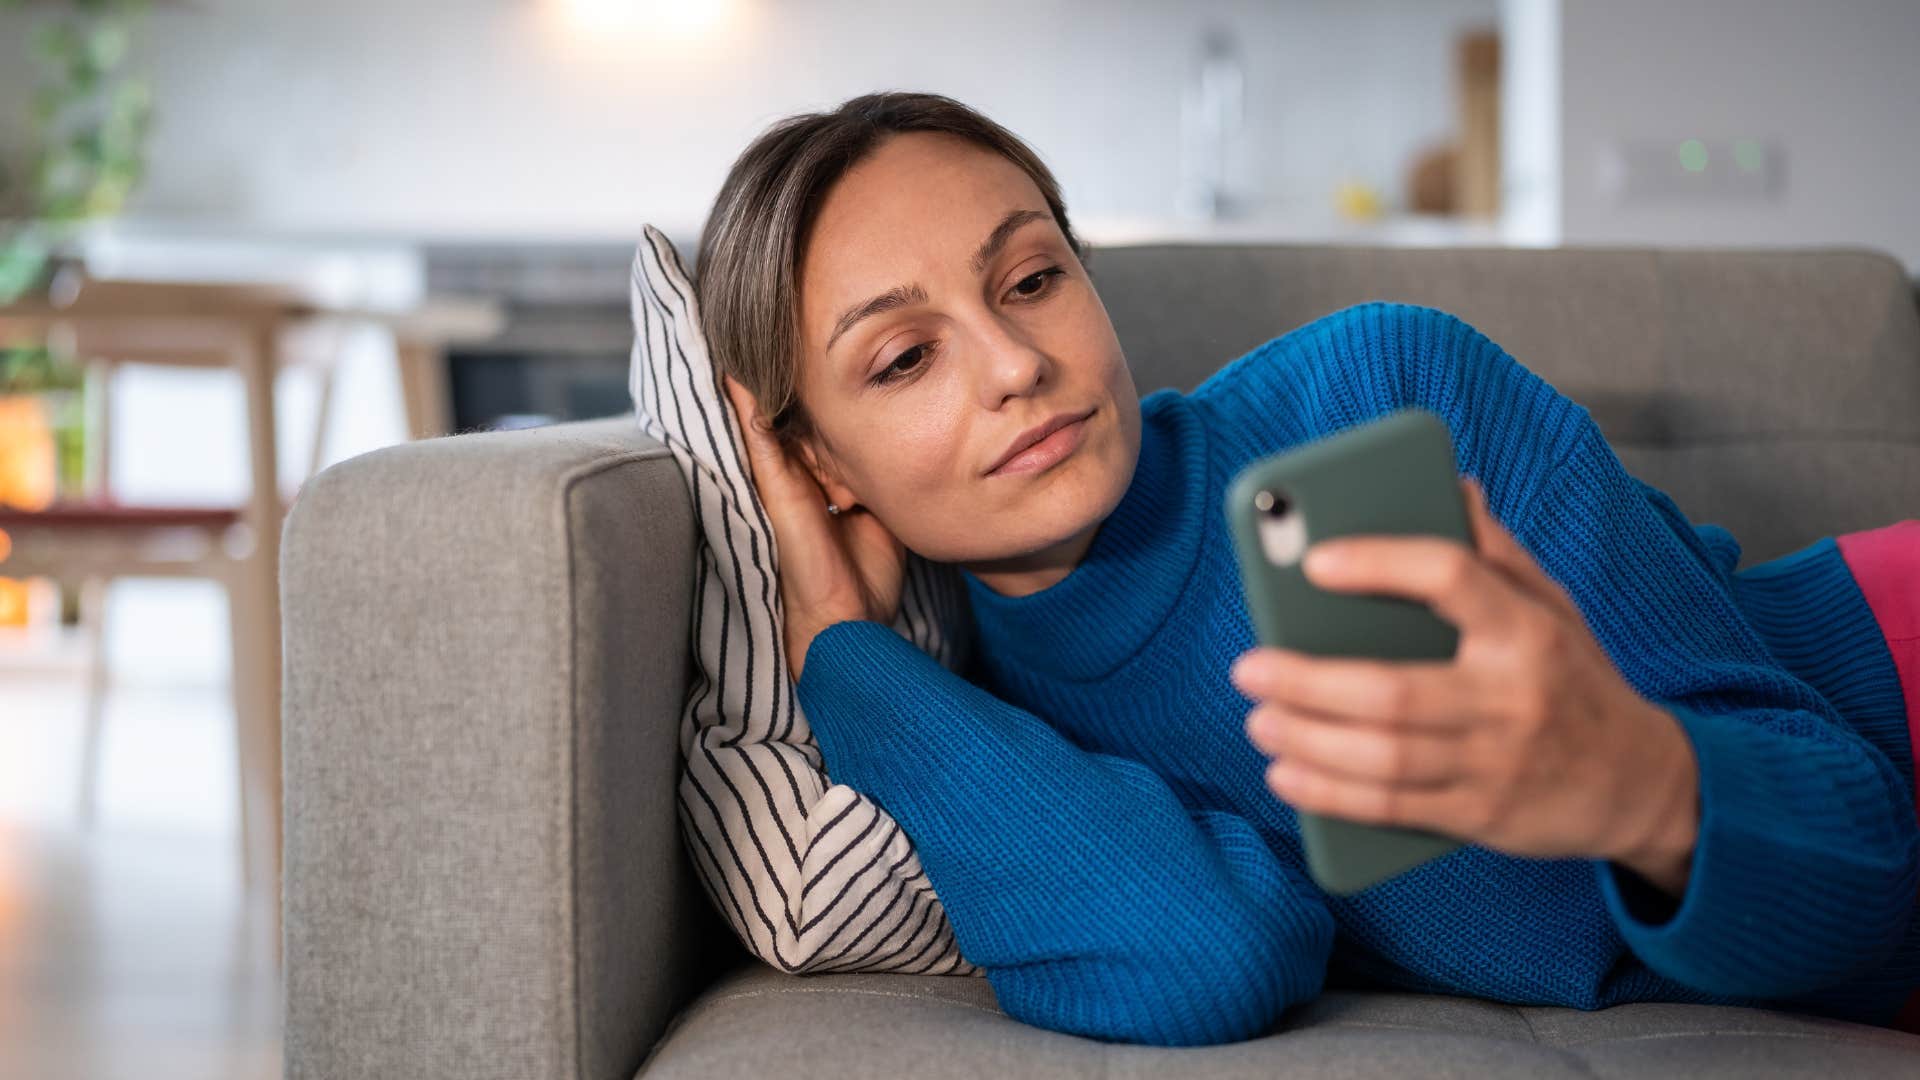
[[246, 328], [420, 340]]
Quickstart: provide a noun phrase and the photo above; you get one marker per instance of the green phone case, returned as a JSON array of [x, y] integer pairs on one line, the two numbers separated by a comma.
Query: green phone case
[[1392, 475]]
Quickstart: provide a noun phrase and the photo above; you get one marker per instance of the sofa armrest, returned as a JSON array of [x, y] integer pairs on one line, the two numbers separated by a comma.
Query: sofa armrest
[[485, 663]]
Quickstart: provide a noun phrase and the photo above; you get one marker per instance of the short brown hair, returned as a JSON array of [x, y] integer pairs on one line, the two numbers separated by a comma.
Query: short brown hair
[[748, 265]]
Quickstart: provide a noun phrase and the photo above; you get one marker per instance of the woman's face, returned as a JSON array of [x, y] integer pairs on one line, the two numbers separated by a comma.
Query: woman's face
[[979, 324]]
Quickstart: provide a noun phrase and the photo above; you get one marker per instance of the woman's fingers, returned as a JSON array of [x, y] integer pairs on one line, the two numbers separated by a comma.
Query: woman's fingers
[[830, 568], [1438, 571], [802, 532], [758, 440], [1355, 750], [1423, 693], [783, 486]]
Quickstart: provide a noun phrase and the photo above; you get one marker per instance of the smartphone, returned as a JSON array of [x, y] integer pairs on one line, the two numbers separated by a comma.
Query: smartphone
[[1391, 475]]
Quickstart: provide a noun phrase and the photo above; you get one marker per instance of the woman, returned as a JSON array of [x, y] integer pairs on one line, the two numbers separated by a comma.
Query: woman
[[1656, 808]]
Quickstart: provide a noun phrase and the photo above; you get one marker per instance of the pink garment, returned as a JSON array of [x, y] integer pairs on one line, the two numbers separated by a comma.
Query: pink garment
[[1885, 563]]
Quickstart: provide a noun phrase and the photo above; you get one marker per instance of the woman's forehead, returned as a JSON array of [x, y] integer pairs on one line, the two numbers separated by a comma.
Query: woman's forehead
[[914, 200]]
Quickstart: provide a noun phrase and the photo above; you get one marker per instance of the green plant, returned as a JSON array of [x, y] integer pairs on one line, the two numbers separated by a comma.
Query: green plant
[[30, 369], [90, 121]]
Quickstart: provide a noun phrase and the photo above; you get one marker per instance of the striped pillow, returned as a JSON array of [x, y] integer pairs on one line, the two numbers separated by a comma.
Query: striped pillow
[[812, 875]]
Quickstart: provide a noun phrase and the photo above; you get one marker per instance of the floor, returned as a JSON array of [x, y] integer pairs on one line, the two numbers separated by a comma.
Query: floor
[[127, 946]]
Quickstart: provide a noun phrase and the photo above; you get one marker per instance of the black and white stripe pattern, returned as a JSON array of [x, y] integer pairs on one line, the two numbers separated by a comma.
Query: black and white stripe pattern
[[812, 875]]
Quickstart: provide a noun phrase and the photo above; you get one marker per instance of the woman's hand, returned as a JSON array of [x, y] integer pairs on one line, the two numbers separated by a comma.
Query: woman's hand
[[1527, 741], [832, 568]]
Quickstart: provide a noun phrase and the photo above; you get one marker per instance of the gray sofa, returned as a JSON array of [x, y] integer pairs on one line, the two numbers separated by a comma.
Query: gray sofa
[[486, 655]]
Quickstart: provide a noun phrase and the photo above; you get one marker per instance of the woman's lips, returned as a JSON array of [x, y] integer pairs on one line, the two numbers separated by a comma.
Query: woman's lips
[[1048, 451]]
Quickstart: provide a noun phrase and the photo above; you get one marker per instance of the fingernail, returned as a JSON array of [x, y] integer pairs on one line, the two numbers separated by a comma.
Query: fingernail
[[1321, 559]]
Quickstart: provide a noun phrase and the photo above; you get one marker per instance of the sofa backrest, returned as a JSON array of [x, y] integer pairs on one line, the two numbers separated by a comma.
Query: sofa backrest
[[1775, 393]]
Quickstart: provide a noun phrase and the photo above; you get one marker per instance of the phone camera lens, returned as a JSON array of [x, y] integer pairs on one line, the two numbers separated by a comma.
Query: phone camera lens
[[1271, 503]]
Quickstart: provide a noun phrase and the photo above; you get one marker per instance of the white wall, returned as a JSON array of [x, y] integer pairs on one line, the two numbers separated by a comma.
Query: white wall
[[449, 119], [495, 118], [1530, 122], [1835, 84], [499, 118]]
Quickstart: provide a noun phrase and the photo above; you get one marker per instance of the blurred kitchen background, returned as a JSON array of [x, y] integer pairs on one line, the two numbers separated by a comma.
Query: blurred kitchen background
[[241, 240]]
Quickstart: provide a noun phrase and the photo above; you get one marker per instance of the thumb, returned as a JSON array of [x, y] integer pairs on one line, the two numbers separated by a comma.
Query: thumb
[[881, 560]]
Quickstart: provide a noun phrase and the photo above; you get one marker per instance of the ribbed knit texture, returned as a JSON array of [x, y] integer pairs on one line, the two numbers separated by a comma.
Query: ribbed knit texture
[[1094, 820], [1810, 612]]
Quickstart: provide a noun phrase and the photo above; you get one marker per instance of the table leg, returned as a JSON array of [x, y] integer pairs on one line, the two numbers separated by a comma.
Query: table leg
[[423, 387], [255, 592]]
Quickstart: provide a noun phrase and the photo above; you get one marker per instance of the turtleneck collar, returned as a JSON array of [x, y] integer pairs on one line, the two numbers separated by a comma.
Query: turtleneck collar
[[1082, 627]]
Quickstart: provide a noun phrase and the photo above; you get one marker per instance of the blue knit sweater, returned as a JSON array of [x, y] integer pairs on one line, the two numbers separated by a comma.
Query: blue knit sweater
[[1093, 818]]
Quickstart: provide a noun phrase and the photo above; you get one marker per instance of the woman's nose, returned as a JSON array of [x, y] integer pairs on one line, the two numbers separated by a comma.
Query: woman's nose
[[1012, 365]]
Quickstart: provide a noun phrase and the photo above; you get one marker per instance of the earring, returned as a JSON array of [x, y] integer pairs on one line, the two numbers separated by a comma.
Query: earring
[[833, 508]]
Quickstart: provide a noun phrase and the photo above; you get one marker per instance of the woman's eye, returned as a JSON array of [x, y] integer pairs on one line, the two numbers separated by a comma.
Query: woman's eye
[[902, 369], [1041, 278], [888, 374]]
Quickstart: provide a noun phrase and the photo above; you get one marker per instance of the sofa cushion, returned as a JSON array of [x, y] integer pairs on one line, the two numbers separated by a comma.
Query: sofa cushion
[[1776, 393], [759, 1022]]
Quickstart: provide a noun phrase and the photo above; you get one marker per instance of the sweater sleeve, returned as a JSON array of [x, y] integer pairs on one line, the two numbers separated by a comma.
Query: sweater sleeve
[[1095, 902], [1807, 858]]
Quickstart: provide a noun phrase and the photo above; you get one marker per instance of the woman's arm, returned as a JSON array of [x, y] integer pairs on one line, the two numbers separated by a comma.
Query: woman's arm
[[1806, 859], [1095, 902], [1600, 645]]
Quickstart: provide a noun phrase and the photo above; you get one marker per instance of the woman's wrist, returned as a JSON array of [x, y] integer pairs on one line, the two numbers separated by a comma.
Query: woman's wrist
[[798, 646], [800, 643], [1662, 802]]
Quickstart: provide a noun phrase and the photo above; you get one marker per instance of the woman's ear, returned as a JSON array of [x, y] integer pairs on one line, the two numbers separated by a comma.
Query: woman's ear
[[827, 474]]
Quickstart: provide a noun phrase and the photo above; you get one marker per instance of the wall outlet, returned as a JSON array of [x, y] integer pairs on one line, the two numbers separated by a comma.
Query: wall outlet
[[1691, 169]]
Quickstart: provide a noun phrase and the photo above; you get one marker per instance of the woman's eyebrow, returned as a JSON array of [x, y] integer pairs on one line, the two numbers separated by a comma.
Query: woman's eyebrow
[[997, 239], [902, 295]]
